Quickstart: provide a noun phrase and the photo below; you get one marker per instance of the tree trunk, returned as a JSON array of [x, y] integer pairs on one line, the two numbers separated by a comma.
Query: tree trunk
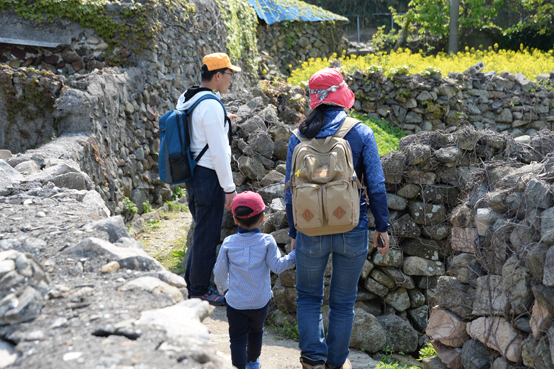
[[453, 37], [403, 36]]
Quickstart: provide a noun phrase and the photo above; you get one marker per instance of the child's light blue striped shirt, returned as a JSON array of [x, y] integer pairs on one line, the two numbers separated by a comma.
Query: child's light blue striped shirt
[[243, 266]]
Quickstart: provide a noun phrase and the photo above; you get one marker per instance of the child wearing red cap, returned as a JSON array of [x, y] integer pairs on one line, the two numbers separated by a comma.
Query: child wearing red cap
[[242, 269]]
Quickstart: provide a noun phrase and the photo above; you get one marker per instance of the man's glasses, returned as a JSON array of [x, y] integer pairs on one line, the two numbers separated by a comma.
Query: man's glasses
[[231, 74]]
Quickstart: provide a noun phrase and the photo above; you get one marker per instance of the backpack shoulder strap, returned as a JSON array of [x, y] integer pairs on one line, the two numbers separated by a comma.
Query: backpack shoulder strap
[[345, 127], [206, 97], [297, 134]]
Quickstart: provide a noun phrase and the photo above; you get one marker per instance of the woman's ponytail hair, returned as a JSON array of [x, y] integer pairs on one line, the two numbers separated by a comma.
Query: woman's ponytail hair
[[311, 126]]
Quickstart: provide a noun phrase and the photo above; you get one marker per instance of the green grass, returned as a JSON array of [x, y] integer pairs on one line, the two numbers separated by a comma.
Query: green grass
[[387, 137], [175, 258]]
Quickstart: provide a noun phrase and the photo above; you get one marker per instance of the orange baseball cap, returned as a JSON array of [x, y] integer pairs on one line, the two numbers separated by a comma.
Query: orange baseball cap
[[219, 61]]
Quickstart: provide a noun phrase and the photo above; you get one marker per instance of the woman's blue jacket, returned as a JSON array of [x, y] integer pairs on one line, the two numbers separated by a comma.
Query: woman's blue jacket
[[366, 162]]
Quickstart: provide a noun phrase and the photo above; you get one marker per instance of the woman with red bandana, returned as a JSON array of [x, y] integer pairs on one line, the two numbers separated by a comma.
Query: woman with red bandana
[[330, 97]]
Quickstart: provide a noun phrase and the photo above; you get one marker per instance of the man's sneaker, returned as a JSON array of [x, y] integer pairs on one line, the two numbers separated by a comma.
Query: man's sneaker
[[311, 364], [213, 297], [253, 364], [346, 365]]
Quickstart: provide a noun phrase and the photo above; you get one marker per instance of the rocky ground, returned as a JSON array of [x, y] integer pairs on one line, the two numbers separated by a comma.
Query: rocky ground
[[76, 289]]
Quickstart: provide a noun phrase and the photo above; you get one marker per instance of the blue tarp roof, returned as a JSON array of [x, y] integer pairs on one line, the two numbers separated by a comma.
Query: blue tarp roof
[[273, 11]]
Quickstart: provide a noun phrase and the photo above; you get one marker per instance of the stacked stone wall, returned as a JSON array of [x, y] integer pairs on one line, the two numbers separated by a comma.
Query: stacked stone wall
[[469, 266], [283, 46], [505, 102]]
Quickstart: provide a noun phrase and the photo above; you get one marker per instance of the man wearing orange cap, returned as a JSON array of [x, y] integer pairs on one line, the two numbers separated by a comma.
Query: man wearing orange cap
[[212, 189]]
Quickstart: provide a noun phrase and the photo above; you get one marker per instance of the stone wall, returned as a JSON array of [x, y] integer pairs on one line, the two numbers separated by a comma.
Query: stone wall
[[168, 68], [26, 107], [496, 305], [469, 264], [174, 54], [502, 102], [285, 45], [116, 108]]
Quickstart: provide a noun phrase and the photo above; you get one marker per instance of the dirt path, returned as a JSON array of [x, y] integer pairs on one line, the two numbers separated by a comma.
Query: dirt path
[[170, 235], [277, 353]]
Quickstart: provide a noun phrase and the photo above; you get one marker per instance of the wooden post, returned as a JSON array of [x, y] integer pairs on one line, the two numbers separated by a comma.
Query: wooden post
[[454, 15]]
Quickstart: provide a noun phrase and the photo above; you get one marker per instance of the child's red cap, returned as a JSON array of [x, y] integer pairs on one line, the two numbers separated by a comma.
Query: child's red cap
[[251, 200]]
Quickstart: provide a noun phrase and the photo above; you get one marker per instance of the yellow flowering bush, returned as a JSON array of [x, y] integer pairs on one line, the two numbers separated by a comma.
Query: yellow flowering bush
[[529, 62]]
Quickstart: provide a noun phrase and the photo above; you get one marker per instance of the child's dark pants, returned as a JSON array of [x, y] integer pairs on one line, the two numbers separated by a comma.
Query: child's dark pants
[[246, 329]]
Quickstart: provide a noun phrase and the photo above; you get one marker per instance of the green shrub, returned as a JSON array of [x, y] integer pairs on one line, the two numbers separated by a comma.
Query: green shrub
[[130, 206], [177, 193], [146, 207]]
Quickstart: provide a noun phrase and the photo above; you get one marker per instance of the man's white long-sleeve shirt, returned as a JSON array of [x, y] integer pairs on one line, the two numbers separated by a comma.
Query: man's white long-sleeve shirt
[[209, 127]]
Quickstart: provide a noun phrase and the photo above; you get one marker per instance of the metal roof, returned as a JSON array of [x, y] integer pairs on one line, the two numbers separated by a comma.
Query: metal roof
[[273, 11]]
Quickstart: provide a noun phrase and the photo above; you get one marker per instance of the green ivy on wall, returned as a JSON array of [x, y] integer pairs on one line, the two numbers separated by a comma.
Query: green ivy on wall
[[129, 24], [241, 22]]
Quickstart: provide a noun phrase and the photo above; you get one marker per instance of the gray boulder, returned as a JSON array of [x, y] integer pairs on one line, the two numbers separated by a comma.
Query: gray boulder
[[517, 283], [462, 216], [275, 191], [417, 298], [545, 296], [547, 226], [398, 299], [400, 336], [393, 166], [396, 202], [405, 226], [427, 214], [548, 275], [271, 178], [419, 317], [536, 354], [8, 178], [455, 296], [466, 268], [27, 167], [8, 355], [393, 258], [490, 296], [75, 180], [114, 226], [252, 125], [537, 195], [416, 266], [427, 249], [130, 258], [251, 167], [448, 154], [367, 332], [262, 143], [536, 259], [475, 355]]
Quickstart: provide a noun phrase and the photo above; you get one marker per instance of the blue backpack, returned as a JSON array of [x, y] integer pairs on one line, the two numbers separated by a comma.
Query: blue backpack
[[176, 162]]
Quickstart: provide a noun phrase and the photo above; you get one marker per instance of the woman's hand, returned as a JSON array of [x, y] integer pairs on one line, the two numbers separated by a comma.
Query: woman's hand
[[292, 244], [385, 236]]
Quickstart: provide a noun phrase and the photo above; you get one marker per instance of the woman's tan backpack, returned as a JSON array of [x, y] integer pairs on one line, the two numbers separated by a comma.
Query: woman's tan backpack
[[325, 189]]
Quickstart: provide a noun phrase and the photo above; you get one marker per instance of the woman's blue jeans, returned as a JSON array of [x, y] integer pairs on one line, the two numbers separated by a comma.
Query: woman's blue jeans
[[349, 251]]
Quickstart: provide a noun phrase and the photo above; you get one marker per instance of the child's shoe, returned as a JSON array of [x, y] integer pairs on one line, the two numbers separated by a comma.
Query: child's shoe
[[253, 364], [311, 364]]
